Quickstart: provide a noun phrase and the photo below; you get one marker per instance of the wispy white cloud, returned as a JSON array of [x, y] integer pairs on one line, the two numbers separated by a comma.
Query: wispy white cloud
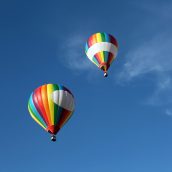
[[161, 9], [152, 57], [168, 112], [74, 53], [162, 93]]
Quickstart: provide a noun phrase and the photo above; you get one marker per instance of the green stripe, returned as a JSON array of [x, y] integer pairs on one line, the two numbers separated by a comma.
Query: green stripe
[[103, 37], [56, 107], [36, 115], [95, 60], [106, 56]]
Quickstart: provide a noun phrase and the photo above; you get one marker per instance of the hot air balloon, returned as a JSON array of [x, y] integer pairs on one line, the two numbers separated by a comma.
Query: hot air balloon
[[101, 48], [51, 106]]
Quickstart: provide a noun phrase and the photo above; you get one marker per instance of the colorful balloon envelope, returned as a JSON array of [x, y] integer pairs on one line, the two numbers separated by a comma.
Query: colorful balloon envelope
[[51, 106], [101, 48]]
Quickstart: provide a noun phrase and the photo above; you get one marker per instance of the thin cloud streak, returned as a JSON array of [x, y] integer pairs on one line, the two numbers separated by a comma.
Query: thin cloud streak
[[153, 57], [168, 112], [160, 9], [74, 54]]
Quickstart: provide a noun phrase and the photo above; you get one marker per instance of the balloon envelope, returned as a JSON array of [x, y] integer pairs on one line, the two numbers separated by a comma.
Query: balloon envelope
[[101, 48], [51, 106]]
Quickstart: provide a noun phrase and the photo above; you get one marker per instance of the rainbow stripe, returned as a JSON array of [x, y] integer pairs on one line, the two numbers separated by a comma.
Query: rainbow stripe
[[47, 106], [101, 49]]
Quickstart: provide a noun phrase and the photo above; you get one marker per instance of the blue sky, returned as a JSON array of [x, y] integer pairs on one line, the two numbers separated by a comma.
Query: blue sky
[[122, 123]]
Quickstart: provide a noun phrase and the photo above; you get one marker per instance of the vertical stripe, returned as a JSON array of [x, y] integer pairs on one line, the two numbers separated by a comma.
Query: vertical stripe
[[100, 39], [45, 102], [50, 102], [94, 60], [65, 115], [98, 59], [41, 105], [36, 117], [100, 56], [56, 107], [103, 37], [38, 107], [107, 37], [34, 110], [113, 41], [94, 39], [59, 114], [32, 115], [110, 58], [90, 42], [106, 56], [86, 47], [98, 36]]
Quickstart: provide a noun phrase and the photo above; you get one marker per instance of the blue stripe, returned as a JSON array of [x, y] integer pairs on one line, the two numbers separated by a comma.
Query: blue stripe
[[86, 47], [33, 108], [95, 60], [107, 37]]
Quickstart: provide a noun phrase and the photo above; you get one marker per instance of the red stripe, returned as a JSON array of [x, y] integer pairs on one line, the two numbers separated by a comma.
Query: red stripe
[[53, 129], [113, 41], [90, 41], [35, 101], [64, 115], [40, 105], [110, 58], [98, 57]]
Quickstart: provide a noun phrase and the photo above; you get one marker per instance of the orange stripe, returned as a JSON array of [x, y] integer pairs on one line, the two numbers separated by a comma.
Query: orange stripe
[[45, 102], [40, 104], [98, 57], [94, 39]]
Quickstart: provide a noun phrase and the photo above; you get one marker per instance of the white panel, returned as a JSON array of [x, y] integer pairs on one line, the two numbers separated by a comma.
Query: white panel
[[101, 46], [63, 99]]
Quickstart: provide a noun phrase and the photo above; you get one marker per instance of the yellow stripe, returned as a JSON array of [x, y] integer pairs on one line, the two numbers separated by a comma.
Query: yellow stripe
[[35, 118], [102, 56], [99, 38], [45, 101], [50, 102]]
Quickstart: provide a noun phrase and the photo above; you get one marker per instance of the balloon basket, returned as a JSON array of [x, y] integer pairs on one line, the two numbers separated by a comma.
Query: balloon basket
[[105, 74], [53, 138]]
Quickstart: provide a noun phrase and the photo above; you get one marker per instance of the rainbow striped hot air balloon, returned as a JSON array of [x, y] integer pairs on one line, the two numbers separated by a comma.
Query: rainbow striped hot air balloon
[[101, 48], [51, 106]]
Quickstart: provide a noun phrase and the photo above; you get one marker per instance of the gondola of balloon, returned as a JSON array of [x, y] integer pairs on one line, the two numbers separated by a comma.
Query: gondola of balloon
[[101, 48], [51, 106]]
